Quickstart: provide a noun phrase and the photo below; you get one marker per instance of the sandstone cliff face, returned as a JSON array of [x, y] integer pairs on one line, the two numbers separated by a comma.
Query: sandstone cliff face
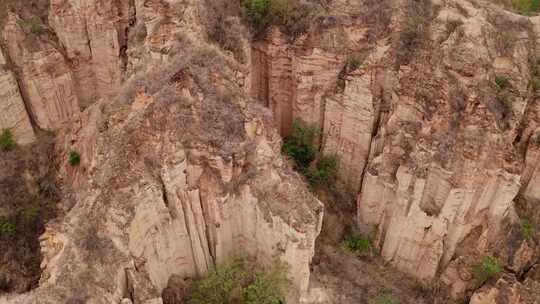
[[438, 152], [435, 124], [510, 290], [155, 195], [46, 78], [13, 114], [94, 36]]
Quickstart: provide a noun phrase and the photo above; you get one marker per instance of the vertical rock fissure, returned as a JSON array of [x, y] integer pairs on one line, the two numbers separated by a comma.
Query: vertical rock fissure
[[211, 247], [18, 76], [132, 20]]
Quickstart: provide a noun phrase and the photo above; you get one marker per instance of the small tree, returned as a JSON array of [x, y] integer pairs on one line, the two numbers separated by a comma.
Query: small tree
[[487, 269], [7, 142]]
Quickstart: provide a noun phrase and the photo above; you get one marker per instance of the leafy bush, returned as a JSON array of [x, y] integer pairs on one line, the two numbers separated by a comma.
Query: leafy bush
[[300, 145], [323, 172], [240, 283], [29, 214], [534, 84], [525, 7], [487, 269], [385, 298], [7, 227], [292, 15], [353, 64], [7, 142], [257, 12], [414, 29], [33, 24], [502, 82], [74, 158], [527, 229], [356, 244]]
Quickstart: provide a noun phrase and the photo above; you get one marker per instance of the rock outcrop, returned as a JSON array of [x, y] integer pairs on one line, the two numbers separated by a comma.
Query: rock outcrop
[[510, 290], [46, 78], [430, 106], [433, 119], [13, 114], [178, 174]]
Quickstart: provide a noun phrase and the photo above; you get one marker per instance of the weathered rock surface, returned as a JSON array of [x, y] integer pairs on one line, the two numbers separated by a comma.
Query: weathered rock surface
[[46, 78], [94, 35], [511, 291], [435, 124], [155, 197], [13, 114], [437, 152]]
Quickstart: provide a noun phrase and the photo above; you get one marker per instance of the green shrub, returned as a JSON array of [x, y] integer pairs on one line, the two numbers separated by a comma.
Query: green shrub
[[534, 84], [324, 172], [357, 244], [300, 145], [487, 269], [385, 298], [527, 229], [257, 12], [7, 142], [7, 227], [414, 30], [30, 214], [292, 15], [526, 7], [240, 283], [33, 24], [353, 64], [502, 82], [74, 158]]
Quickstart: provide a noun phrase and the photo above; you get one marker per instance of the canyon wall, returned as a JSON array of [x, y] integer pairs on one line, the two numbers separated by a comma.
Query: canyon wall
[[430, 106], [435, 126], [13, 114], [179, 173]]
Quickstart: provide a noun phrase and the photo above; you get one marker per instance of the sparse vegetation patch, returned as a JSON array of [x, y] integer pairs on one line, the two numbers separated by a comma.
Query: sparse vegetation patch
[[527, 229], [385, 298], [415, 26], [502, 82], [357, 244], [487, 269], [34, 24], [293, 16], [525, 7], [7, 142], [319, 169], [242, 283], [74, 158]]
